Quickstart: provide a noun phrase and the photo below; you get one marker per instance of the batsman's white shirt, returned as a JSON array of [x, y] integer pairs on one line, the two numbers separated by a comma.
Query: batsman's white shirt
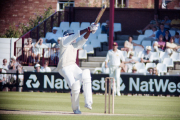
[[114, 58], [68, 51]]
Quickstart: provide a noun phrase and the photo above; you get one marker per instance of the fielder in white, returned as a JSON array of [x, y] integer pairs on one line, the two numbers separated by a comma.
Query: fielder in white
[[70, 71], [114, 57]]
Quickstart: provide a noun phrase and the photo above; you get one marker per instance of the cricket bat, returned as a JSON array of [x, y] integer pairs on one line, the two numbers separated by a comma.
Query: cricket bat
[[100, 14]]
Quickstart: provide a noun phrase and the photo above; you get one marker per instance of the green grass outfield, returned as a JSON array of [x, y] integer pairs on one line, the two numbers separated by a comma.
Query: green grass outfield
[[126, 107]]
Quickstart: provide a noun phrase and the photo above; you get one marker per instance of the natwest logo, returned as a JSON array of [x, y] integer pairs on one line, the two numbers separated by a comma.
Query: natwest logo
[[34, 84]]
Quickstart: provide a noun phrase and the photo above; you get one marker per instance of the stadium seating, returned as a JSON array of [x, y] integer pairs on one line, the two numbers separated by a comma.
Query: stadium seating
[[140, 66], [172, 32], [175, 57], [95, 43], [136, 58], [144, 71], [146, 43], [82, 54], [102, 37], [89, 49], [85, 25], [148, 33], [138, 49], [75, 25], [117, 27], [155, 56], [148, 65], [168, 62], [64, 26], [162, 68], [163, 55], [140, 54], [103, 24], [140, 38]]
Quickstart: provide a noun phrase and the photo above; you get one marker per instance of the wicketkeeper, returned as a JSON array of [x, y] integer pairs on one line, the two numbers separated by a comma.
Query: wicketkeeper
[[70, 71]]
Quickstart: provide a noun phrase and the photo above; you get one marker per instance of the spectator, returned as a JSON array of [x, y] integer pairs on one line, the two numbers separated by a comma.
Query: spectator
[[160, 45], [146, 56], [171, 46], [37, 68], [166, 22], [128, 45], [134, 69], [39, 46], [155, 71], [153, 36], [5, 65], [114, 57], [166, 37], [177, 38], [28, 48], [105, 28], [150, 70], [161, 31], [2, 78], [45, 68], [13, 63], [52, 38], [13, 81], [175, 23], [153, 23], [129, 62], [55, 50]]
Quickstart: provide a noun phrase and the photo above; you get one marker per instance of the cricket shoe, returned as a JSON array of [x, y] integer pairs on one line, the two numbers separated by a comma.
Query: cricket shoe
[[77, 111], [118, 94], [88, 106]]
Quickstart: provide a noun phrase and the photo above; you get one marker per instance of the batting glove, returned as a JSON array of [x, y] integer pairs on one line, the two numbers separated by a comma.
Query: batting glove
[[93, 27]]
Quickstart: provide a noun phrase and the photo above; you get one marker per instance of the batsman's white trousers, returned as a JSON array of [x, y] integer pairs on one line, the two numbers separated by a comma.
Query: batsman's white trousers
[[114, 71], [72, 74]]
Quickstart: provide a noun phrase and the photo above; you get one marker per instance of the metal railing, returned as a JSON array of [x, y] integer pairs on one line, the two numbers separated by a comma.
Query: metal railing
[[49, 54], [39, 31], [9, 76]]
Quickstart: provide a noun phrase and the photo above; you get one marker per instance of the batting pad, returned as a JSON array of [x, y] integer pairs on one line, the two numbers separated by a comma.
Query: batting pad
[[86, 77], [75, 95]]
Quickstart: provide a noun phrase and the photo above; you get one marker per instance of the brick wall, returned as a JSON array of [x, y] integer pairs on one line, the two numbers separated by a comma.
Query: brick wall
[[174, 3], [16, 11], [88, 3], [141, 4], [130, 19]]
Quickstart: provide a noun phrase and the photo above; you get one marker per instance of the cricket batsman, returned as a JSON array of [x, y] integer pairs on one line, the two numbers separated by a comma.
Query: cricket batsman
[[68, 68]]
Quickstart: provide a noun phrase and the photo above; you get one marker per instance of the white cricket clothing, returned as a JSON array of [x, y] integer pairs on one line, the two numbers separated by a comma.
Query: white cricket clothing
[[68, 51], [47, 69], [71, 73], [114, 58], [69, 70], [114, 69]]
